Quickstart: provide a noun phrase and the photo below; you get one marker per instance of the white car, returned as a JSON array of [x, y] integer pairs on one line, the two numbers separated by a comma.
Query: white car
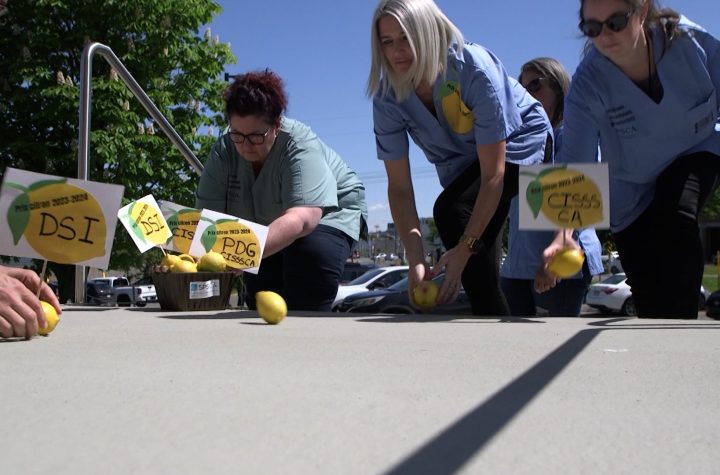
[[374, 279], [613, 295]]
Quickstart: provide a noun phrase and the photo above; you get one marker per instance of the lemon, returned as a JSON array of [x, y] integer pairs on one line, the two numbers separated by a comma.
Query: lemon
[[186, 257], [183, 266], [212, 262], [567, 262], [51, 316], [271, 307], [170, 260], [425, 294]]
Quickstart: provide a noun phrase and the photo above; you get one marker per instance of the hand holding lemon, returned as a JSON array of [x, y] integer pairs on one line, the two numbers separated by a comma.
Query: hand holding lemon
[[566, 262], [21, 313]]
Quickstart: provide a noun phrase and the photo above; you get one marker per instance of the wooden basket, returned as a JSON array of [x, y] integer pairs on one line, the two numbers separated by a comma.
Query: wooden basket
[[190, 291]]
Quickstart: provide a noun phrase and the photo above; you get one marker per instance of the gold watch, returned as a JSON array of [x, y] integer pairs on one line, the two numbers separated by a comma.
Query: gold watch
[[473, 243]]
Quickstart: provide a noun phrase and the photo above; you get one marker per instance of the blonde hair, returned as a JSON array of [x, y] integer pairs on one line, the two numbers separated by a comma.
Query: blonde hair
[[429, 33]]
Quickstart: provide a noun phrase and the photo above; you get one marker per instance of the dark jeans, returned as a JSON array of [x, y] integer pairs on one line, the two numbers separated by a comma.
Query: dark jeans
[[661, 250], [563, 300], [452, 212], [306, 273]]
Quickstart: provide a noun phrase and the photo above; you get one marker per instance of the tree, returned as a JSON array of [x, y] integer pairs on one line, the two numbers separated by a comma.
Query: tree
[[160, 43]]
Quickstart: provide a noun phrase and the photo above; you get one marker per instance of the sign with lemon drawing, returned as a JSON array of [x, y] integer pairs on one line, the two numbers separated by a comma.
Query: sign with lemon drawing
[[240, 242], [564, 196], [182, 222], [145, 223], [63, 220]]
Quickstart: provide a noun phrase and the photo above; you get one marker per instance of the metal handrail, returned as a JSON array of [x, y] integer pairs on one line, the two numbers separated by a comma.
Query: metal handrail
[[84, 139]]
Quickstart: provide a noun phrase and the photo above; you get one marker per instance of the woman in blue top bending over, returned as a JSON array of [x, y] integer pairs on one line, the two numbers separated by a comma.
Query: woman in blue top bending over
[[648, 89], [472, 121], [524, 278]]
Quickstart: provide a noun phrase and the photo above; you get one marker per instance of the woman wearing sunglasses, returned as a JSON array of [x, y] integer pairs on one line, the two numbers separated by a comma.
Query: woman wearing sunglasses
[[275, 171], [648, 89], [524, 279], [472, 121]]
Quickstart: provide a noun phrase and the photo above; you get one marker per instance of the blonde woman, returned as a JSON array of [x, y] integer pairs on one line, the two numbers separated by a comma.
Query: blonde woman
[[473, 122]]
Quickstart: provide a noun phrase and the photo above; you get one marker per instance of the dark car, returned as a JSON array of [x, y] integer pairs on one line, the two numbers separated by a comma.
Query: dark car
[[98, 293], [712, 305], [353, 270], [395, 299]]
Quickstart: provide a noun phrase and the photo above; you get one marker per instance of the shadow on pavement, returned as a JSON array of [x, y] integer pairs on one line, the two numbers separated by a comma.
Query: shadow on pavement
[[421, 318], [448, 451]]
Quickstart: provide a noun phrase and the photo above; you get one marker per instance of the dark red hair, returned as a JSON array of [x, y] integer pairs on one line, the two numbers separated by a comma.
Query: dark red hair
[[257, 93]]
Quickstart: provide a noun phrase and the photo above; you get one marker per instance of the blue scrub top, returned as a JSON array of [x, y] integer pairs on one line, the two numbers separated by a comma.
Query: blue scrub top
[[525, 248], [476, 102], [638, 137]]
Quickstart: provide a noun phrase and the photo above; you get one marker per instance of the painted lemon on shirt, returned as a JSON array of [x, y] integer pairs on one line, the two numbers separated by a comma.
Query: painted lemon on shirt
[[237, 243], [566, 262], [51, 318], [566, 197], [271, 307], [458, 116], [61, 222]]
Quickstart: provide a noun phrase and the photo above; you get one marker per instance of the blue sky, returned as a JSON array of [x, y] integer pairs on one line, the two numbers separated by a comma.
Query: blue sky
[[321, 49]]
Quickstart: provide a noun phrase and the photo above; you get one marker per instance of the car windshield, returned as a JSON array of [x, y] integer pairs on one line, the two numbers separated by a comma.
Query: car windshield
[[367, 276], [403, 283], [614, 279], [101, 286]]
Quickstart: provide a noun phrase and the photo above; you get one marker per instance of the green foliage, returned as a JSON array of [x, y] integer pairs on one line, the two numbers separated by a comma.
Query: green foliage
[[160, 43]]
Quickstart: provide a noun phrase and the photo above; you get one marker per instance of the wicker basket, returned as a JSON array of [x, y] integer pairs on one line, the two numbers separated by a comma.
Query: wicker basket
[[193, 290]]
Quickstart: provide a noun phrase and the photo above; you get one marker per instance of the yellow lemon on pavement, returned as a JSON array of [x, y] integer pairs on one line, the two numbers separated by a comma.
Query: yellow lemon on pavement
[[183, 266], [51, 316], [425, 294], [212, 262], [271, 307], [567, 262]]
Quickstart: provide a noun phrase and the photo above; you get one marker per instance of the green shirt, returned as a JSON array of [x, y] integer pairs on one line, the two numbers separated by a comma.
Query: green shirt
[[300, 170]]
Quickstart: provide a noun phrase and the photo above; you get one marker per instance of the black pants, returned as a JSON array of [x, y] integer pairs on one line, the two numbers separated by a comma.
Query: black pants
[[661, 250], [452, 212], [306, 273]]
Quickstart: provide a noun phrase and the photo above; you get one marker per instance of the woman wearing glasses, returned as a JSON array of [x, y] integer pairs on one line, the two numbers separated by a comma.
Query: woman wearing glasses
[[472, 121], [524, 279], [648, 89], [275, 171]]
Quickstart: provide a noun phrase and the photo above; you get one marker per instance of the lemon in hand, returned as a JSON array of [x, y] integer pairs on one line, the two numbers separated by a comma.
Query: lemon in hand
[[271, 307], [566, 262], [425, 294], [51, 316]]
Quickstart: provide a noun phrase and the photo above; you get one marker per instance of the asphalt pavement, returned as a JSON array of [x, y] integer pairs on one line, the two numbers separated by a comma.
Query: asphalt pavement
[[147, 391]]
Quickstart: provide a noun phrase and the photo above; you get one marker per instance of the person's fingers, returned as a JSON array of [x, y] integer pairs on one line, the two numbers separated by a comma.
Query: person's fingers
[[15, 321], [6, 328], [47, 294]]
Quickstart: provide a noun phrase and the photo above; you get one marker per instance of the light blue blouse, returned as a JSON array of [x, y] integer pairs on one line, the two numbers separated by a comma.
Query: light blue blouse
[[501, 109], [638, 137]]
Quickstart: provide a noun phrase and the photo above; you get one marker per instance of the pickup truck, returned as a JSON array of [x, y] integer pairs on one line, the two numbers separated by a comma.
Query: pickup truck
[[125, 294]]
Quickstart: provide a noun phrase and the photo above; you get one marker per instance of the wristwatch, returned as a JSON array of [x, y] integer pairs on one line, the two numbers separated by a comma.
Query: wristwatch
[[473, 243]]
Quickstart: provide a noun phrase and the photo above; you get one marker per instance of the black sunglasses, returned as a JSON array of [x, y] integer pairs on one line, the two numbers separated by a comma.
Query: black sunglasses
[[617, 22], [535, 84]]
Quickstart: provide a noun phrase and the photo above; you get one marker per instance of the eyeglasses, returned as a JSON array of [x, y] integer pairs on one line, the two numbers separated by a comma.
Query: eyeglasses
[[255, 139], [535, 84], [617, 22]]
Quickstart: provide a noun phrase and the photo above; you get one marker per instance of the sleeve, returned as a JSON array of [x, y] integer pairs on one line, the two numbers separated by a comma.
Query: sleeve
[[212, 189], [711, 47], [580, 131], [306, 177], [491, 100], [390, 129]]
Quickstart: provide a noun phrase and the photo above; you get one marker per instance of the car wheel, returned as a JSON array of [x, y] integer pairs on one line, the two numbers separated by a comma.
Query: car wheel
[[123, 301], [628, 308], [701, 302], [141, 303]]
